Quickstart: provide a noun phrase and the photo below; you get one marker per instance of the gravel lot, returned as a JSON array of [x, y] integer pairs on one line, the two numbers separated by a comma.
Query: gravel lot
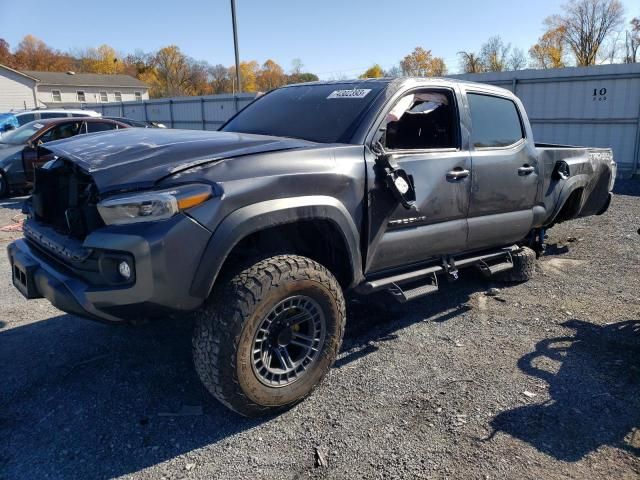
[[540, 381]]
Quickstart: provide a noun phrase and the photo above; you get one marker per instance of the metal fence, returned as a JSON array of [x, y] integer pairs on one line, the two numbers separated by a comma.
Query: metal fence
[[592, 106], [196, 113]]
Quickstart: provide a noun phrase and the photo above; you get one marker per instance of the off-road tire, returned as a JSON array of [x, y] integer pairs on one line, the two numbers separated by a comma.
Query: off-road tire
[[225, 328], [524, 266]]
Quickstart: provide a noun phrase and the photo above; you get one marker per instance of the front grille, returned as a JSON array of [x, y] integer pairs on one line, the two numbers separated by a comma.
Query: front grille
[[64, 197]]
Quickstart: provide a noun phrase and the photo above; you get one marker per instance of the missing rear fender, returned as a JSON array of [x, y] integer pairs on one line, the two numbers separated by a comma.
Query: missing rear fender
[[571, 207]]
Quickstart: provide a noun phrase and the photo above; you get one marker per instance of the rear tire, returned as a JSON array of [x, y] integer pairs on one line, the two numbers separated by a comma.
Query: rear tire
[[524, 266], [269, 334]]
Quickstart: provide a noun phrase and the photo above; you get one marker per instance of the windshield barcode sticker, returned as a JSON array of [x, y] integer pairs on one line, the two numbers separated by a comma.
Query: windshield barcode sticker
[[351, 93]]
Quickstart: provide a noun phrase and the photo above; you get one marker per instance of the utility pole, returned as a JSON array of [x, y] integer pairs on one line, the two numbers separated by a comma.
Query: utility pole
[[235, 44]]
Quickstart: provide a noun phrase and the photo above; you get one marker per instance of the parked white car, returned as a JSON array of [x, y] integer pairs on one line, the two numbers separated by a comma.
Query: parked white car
[[12, 120]]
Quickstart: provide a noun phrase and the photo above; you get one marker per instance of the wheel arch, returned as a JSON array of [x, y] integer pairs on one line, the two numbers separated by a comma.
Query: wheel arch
[[570, 199], [276, 216]]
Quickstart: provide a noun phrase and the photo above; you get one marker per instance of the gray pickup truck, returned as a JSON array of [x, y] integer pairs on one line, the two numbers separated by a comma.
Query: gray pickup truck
[[312, 191]]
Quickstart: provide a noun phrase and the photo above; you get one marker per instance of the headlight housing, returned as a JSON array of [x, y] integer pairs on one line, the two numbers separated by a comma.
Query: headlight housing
[[152, 206]]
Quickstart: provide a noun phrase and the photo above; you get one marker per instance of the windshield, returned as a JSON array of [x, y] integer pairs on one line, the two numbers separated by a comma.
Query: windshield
[[19, 136], [319, 113], [8, 119]]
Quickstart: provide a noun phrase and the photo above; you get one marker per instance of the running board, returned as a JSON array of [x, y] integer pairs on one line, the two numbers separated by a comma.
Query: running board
[[394, 283], [417, 292]]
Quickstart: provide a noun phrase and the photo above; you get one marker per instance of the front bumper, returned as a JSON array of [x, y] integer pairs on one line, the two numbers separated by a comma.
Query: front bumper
[[166, 255]]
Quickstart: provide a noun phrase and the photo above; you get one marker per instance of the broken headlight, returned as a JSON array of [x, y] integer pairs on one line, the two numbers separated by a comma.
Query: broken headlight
[[152, 206]]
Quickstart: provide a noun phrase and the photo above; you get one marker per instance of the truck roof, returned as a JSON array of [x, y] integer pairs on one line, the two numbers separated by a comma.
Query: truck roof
[[399, 82]]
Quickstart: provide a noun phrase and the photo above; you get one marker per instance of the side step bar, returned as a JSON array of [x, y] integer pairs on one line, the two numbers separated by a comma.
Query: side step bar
[[418, 283]]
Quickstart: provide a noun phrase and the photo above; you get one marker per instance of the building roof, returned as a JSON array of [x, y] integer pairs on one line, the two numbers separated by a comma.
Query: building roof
[[84, 79]]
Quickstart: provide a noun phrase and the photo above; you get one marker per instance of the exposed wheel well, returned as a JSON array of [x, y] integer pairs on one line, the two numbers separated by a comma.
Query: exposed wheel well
[[571, 206], [319, 240]]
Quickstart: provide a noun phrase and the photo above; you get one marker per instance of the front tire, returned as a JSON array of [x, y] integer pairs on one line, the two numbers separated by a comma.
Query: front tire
[[269, 334]]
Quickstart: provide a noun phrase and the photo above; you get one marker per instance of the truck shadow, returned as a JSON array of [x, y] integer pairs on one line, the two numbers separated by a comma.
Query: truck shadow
[[594, 385], [83, 400], [79, 399], [14, 203]]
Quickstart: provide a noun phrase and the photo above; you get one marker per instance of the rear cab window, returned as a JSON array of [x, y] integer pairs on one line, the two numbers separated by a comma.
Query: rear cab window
[[495, 121]]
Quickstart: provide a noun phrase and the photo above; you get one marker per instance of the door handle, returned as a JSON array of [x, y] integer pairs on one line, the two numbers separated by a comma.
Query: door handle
[[526, 170], [457, 174]]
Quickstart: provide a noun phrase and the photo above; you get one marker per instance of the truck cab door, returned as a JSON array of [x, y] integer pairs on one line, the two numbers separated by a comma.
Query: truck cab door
[[421, 135], [506, 172]]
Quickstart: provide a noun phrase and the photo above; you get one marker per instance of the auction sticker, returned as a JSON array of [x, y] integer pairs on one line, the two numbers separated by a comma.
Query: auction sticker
[[351, 93]]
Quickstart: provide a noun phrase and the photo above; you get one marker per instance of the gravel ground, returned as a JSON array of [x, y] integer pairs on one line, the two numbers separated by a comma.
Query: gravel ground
[[540, 381]]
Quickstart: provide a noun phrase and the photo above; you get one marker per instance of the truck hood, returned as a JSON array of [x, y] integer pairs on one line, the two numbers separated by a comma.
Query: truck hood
[[140, 157]]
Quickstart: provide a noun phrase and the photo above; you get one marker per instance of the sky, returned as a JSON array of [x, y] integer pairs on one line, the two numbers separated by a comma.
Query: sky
[[332, 38]]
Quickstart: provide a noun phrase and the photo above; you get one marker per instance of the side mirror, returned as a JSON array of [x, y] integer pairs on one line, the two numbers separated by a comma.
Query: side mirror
[[395, 178], [8, 127]]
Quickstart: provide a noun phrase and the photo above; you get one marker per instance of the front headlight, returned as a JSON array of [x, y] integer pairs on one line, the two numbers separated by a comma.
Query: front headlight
[[152, 206]]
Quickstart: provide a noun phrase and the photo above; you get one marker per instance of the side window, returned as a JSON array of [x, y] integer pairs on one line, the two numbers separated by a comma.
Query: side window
[[79, 115], [93, 127], [495, 121], [424, 119], [26, 118], [52, 115], [56, 96], [59, 132], [81, 96]]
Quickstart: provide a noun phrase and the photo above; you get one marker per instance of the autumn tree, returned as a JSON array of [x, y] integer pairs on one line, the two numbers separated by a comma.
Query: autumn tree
[[375, 71], [6, 57], [220, 79], [173, 72], [33, 54], [421, 63], [587, 24], [494, 54], [550, 52], [103, 59], [270, 76], [470, 62]]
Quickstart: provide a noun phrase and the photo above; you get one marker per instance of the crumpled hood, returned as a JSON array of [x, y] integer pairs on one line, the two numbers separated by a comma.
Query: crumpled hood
[[140, 157]]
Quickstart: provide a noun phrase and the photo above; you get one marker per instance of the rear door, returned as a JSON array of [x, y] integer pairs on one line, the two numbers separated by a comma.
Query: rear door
[[427, 143], [505, 171]]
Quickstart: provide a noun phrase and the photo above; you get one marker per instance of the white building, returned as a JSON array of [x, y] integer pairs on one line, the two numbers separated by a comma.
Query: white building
[[29, 89]]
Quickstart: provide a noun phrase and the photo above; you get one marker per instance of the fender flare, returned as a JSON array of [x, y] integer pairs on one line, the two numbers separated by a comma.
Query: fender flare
[[260, 216]]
